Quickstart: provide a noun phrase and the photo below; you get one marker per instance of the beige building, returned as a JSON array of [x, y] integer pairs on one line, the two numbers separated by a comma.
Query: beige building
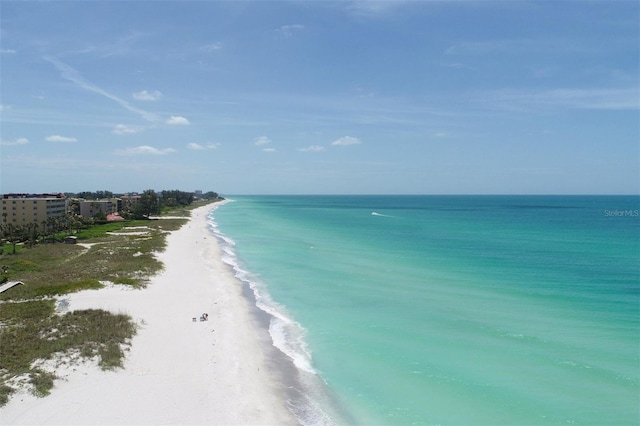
[[130, 199], [89, 208], [20, 209]]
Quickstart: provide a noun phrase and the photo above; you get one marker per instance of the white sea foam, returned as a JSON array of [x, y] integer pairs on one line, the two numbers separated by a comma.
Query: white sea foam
[[226, 240], [286, 334], [288, 337], [308, 412]]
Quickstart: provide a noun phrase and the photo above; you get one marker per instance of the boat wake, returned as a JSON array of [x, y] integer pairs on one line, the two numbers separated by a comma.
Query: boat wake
[[380, 214]]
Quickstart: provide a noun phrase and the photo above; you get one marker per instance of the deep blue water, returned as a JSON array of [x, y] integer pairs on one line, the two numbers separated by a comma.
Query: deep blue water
[[448, 309]]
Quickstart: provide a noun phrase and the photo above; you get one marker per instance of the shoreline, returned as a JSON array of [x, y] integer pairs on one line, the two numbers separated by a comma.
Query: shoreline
[[219, 371], [308, 396]]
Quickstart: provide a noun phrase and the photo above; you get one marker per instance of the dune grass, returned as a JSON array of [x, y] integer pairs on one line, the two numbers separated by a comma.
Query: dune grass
[[30, 328], [56, 269]]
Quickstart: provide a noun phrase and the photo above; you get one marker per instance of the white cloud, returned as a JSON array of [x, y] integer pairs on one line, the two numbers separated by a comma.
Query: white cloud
[[287, 30], [147, 96], [144, 150], [198, 147], [19, 141], [373, 8], [7, 51], [69, 73], [346, 140], [211, 47], [312, 148], [608, 99], [176, 120], [121, 129], [590, 98], [58, 138], [456, 65], [261, 140], [269, 150]]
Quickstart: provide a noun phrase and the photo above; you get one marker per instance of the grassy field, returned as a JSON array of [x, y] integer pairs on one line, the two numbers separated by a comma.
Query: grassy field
[[32, 329]]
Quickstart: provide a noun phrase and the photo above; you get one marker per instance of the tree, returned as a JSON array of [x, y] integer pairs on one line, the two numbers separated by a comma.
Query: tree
[[53, 225], [148, 205], [12, 234], [43, 226], [176, 198], [210, 195], [32, 233], [71, 222], [100, 216]]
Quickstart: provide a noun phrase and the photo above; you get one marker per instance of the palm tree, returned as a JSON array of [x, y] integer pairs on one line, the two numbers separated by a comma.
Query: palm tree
[[73, 223], [52, 226], [10, 232], [43, 225], [32, 229]]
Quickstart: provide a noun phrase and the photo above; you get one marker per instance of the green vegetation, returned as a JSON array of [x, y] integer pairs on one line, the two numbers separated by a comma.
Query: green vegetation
[[30, 328], [70, 287], [8, 248], [42, 382], [31, 332], [55, 269], [102, 229], [5, 392], [152, 203]]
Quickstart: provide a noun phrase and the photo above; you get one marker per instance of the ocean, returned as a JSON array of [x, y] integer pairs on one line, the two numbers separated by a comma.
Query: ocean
[[447, 310]]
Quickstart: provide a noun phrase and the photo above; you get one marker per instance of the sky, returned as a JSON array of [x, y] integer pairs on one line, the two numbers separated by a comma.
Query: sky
[[320, 97]]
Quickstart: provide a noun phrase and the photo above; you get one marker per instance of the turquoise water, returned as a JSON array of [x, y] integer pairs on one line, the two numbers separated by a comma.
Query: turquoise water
[[454, 310]]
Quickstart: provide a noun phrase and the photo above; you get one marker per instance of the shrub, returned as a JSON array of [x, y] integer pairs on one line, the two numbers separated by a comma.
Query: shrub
[[5, 392], [42, 382], [65, 288], [128, 281], [23, 265]]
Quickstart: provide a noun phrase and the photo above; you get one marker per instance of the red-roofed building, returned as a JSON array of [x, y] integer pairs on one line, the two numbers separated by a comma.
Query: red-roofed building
[[114, 217]]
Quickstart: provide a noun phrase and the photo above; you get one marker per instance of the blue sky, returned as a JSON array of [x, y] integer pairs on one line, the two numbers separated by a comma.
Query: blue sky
[[291, 97]]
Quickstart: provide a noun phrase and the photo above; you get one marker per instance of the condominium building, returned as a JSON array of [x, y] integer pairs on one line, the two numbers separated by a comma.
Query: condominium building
[[21, 209], [90, 208]]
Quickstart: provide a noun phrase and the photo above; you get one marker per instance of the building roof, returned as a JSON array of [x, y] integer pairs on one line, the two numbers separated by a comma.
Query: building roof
[[114, 216]]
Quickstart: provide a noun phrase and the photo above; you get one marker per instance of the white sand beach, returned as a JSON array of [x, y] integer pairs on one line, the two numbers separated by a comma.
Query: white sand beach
[[177, 372]]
